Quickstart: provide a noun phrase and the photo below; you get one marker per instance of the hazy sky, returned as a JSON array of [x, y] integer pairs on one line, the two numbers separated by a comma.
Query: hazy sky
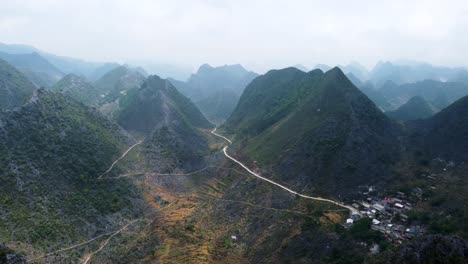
[[259, 34]]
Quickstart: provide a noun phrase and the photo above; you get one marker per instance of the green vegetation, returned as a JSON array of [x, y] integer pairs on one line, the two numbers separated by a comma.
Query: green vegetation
[[77, 88], [51, 153], [114, 84], [314, 129], [15, 88], [156, 102]]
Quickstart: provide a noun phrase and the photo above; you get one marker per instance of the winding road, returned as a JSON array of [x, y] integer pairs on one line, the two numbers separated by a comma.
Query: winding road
[[352, 209], [121, 157]]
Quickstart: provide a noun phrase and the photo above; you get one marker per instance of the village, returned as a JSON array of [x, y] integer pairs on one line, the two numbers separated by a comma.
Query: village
[[389, 214]]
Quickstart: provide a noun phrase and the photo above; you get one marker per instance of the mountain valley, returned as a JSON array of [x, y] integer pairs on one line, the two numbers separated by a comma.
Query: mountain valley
[[109, 164]]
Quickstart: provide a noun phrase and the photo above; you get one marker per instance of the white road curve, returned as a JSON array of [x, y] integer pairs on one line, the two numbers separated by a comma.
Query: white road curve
[[121, 157], [352, 209], [221, 136]]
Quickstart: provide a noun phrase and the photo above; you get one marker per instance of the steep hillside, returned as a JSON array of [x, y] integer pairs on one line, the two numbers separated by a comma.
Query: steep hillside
[[38, 70], [52, 151], [430, 249], [216, 90], [169, 120], [447, 134], [15, 88], [117, 82], [78, 88], [316, 130], [415, 108]]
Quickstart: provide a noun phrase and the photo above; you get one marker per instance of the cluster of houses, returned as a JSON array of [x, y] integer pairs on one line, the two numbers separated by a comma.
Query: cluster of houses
[[389, 214]]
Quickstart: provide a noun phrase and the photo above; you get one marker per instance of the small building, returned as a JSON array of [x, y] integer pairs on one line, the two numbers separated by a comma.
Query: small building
[[375, 222], [365, 204], [349, 221], [355, 217], [379, 207], [399, 205]]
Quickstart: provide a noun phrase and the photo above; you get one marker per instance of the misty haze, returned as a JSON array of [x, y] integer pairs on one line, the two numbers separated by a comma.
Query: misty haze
[[203, 131]]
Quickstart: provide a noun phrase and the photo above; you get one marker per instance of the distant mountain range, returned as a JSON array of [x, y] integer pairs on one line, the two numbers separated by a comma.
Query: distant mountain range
[[216, 90], [36, 68], [65, 64]]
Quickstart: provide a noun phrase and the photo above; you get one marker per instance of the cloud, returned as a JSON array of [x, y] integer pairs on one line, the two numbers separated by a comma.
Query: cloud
[[258, 33]]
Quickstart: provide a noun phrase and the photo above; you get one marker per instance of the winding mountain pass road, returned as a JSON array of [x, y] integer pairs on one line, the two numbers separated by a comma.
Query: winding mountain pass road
[[121, 157], [352, 209]]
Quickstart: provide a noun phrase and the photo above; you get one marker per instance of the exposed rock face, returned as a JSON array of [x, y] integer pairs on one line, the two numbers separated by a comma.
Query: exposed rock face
[[8, 256]]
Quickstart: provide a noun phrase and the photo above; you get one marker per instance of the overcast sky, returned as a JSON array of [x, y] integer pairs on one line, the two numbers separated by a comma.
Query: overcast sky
[[259, 34]]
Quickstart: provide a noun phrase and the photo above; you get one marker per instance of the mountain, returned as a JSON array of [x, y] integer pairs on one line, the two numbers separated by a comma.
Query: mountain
[[415, 108], [355, 80], [65, 64], [301, 67], [216, 90], [15, 88], [117, 82], [404, 72], [322, 67], [102, 70], [356, 69], [52, 151], [439, 94], [78, 88], [17, 48], [169, 121], [155, 103], [91, 70], [36, 68], [316, 130], [447, 132]]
